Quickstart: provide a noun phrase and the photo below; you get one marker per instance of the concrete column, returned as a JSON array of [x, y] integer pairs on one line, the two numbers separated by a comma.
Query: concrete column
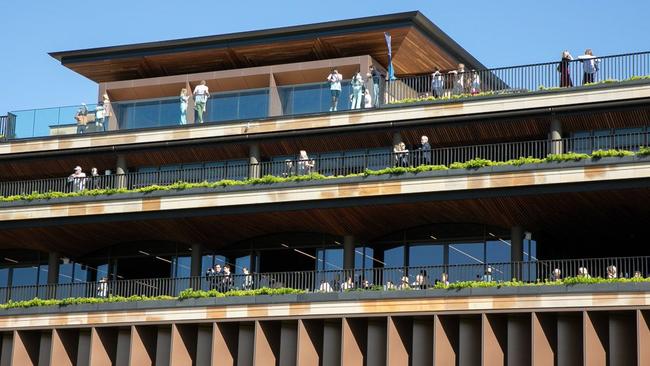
[[120, 169], [516, 250], [196, 260], [53, 268], [555, 137], [348, 252], [254, 170]]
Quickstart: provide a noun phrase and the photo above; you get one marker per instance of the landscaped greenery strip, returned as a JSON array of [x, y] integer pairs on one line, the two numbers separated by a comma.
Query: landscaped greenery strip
[[522, 91], [185, 294], [202, 294], [269, 179]]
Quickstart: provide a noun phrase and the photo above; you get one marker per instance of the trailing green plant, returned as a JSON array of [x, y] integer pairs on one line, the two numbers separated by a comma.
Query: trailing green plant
[[570, 156], [598, 154], [475, 163]]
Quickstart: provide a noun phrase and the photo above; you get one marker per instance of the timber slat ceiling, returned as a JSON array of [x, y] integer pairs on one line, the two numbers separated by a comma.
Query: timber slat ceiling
[[467, 133], [548, 215]]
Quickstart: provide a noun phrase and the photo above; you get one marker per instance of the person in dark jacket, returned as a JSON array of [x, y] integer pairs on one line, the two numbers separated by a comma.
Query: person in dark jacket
[[565, 72]]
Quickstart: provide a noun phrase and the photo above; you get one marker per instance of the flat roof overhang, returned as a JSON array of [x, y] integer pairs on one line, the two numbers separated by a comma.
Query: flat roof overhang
[[418, 46], [557, 201]]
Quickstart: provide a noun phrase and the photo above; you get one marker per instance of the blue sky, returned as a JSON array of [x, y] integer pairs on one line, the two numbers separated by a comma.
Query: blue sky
[[498, 33]]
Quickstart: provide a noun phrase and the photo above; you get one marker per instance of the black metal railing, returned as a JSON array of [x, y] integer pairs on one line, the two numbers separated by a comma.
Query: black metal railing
[[332, 166], [517, 79], [378, 279]]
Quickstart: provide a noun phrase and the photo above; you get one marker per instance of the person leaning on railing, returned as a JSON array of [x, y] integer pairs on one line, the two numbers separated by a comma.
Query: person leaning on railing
[[77, 179], [401, 155], [305, 165], [590, 65], [82, 118]]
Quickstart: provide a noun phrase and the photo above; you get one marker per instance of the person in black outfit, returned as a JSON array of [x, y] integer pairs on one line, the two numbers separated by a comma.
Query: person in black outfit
[[425, 151], [377, 77]]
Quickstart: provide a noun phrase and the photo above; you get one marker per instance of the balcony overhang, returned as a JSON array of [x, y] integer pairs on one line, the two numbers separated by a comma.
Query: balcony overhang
[[398, 116], [418, 46], [377, 207]]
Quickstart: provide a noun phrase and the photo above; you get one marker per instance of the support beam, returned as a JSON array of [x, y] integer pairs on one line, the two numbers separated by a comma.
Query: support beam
[[120, 170], [196, 260], [555, 137], [516, 250], [348, 253], [254, 170], [53, 268]]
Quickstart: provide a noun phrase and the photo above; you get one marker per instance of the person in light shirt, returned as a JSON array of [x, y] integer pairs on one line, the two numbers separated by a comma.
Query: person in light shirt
[[201, 95], [335, 88]]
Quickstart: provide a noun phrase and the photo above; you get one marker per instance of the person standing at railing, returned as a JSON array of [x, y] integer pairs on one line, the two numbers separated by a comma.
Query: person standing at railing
[[460, 79], [556, 275], [367, 99], [93, 180], [475, 84], [184, 99], [82, 118], [425, 151], [564, 70], [612, 272], [108, 110], [376, 77], [437, 84], [305, 165], [335, 79], [487, 277], [248, 279], [77, 179], [100, 114], [102, 287], [226, 279], [401, 155], [590, 65], [201, 95], [357, 90]]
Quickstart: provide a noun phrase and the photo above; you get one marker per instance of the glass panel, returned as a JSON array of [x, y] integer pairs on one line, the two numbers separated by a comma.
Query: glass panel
[[394, 257], [602, 139], [81, 273], [631, 138], [499, 252], [254, 104], [426, 255], [24, 276], [581, 142], [4, 277], [466, 262], [65, 272], [183, 267]]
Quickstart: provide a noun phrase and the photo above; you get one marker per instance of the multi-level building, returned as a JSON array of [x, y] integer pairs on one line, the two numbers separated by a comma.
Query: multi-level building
[[355, 214]]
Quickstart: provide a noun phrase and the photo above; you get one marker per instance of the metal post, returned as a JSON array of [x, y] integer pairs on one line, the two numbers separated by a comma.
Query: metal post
[[348, 252]]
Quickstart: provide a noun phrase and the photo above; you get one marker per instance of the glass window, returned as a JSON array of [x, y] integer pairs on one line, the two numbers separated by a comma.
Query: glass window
[[242, 262], [602, 140], [4, 277], [379, 158], [629, 138], [581, 142], [237, 169], [466, 261], [148, 113], [222, 107], [426, 255], [254, 104], [24, 276], [394, 257], [183, 266], [497, 251], [81, 273], [329, 259], [65, 272]]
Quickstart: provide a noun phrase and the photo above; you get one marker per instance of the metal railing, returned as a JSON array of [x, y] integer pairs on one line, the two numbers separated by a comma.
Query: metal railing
[[331, 166], [309, 99], [401, 278], [517, 79], [7, 127]]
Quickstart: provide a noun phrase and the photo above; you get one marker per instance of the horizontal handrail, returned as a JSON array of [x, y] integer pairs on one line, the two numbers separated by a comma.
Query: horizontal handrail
[[395, 278], [447, 87], [342, 165]]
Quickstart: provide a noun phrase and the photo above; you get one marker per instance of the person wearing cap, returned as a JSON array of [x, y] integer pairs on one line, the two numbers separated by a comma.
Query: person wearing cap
[[77, 179]]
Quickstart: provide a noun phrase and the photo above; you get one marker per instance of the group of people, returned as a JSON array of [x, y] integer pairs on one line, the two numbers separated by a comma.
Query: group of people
[[590, 66], [78, 181], [222, 279], [101, 115], [463, 82], [611, 272], [363, 95], [201, 94], [421, 156]]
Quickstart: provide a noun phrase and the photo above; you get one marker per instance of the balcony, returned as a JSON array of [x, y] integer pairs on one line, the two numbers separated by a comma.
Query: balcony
[[531, 277], [332, 166], [297, 100]]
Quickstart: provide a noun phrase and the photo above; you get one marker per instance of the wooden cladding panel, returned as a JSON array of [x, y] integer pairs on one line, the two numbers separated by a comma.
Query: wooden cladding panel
[[310, 342], [544, 339], [224, 344], [143, 346], [596, 338], [183, 345], [399, 341], [103, 346], [26, 346], [65, 347], [354, 338], [643, 336], [494, 347], [267, 344], [445, 344]]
